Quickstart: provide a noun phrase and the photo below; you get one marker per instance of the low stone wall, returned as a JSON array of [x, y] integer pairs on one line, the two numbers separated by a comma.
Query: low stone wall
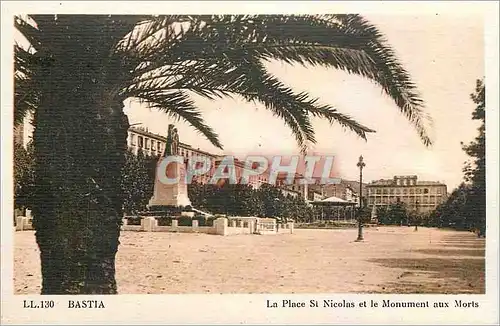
[[150, 224], [24, 223], [266, 226], [222, 226], [131, 228], [285, 228], [241, 225]]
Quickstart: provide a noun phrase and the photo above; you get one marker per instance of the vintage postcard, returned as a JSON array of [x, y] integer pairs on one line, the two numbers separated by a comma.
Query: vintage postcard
[[249, 162]]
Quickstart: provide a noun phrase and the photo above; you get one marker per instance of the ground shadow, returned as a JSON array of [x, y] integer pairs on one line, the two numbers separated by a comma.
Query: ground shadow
[[468, 241], [440, 275], [461, 245], [453, 252]]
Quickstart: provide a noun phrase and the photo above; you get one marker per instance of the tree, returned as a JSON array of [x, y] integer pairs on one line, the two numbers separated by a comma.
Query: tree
[[454, 212], [137, 181], [23, 176], [465, 208], [80, 68], [475, 171]]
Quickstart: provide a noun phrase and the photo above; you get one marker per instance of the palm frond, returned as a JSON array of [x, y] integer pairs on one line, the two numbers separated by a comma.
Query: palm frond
[[248, 78], [344, 42], [26, 97], [178, 105]]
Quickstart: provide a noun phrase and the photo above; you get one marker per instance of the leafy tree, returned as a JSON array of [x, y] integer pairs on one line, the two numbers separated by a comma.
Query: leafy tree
[[80, 68], [475, 171], [394, 214], [398, 213], [365, 213], [23, 176], [465, 208], [454, 212], [137, 182]]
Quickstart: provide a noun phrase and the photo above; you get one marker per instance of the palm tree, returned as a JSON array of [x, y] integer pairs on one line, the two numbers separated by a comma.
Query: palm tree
[[79, 69]]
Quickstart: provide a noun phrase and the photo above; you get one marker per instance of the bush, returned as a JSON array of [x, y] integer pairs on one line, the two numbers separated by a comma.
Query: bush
[[185, 221], [164, 220], [203, 220], [133, 220]]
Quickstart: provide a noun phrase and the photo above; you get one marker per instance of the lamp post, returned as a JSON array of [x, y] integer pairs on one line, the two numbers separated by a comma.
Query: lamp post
[[416, 215], [360, 165]]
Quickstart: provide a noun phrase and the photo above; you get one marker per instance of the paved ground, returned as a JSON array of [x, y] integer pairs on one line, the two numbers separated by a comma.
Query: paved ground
[[391, 260]]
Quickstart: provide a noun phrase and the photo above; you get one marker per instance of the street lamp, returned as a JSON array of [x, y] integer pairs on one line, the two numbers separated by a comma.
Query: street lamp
[[360, 165], [416, 214]]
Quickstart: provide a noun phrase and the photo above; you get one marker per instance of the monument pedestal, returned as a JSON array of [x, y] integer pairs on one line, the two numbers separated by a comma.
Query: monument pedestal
[[175, 194]]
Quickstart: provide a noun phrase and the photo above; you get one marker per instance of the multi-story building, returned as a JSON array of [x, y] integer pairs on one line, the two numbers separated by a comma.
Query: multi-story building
[[307, 191], [421, 196], [153, 144]]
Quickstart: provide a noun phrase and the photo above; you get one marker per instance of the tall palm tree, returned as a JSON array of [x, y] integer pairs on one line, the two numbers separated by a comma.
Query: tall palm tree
[[79, 69]]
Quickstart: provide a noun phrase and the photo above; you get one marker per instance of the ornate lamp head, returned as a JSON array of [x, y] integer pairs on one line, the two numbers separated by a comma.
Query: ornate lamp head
[[361, 164]]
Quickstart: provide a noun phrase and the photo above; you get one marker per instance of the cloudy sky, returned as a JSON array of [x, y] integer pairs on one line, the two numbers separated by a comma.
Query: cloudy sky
[[443, 53]]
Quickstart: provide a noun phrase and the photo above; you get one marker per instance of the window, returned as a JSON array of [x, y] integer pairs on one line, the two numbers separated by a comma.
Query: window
[[140, 141], [132, 139], [153, 145], [379, 191], [412, 191], [405, 191], [385, 191], [147, 143], [438, 191], [419, 191], [391, 191], [426, 191]]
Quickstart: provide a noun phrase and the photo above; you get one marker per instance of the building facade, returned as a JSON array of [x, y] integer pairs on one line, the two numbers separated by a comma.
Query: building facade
[[420, 196], [152, 144]]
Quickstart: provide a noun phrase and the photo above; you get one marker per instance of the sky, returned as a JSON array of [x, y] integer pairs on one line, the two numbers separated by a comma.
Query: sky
[[444, 54]]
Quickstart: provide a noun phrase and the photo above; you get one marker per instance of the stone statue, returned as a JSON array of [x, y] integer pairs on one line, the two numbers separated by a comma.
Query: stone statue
[[175, 194], [172, 145], [175, 142]]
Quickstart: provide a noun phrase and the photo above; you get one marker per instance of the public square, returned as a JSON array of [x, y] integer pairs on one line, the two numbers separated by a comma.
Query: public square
[[390, 260]]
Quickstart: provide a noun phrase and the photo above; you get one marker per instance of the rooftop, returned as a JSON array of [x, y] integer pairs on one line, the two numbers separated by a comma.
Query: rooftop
[[391, 182]]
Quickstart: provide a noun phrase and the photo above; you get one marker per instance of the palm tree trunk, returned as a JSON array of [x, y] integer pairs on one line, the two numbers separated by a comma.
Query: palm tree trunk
[[80, 143]]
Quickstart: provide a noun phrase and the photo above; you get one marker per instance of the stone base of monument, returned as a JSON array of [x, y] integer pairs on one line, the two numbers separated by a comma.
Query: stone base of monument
[[170, 194]]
